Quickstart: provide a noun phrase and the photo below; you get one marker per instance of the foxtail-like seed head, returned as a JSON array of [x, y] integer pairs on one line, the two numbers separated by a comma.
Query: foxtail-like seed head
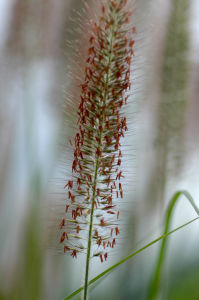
[[96, 167]]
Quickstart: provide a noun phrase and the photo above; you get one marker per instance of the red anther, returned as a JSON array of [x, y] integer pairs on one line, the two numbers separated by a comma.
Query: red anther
[[89, 177], [118, 213], [120, 186], [101, 258], [111, 212], [102, 223], [109, 199], [120, 153], [70, 141], [74, 165], [124, 123], [117, 145], [104, 244], [118, 74], [83, 120], [67, 207], [105, 256], [119, 175], [84, 87], [98, 152], [91, 50], [107, 139], [111, 231], [72, 199], [128, 60], [69, 184], [66, 248], [74, 254], [134, 29], [113, 92], [117, 230], [121, 103], [103, 9], [121, 194], [62, 237], [111, 22], [117, 194], [88, 60], [113, 4], [91, 39], [77, 229], [131, 43], [97, 139], [98, 192], [100, 57], [119, 162], [77, 138], [92, 122], [62, 224], [74, 214], [99, 241], [108, 180], [113, 243], [108, 207], [108, 125]]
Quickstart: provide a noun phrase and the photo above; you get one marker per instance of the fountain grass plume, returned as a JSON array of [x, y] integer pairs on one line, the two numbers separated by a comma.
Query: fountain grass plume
[[90, 224]]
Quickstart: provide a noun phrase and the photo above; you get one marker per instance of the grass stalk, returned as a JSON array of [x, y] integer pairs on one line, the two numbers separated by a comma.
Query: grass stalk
[[90, 232], [113, 267], [154, 288]]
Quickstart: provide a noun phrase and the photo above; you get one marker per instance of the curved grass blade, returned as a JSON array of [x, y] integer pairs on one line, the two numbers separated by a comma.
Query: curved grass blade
[[130, 256], [153, 291]]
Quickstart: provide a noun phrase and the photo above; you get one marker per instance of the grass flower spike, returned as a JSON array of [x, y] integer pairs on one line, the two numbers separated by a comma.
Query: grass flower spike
[[91, 222]]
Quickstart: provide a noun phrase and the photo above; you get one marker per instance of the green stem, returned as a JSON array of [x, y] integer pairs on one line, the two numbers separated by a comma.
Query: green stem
[[153, 291], [95, 178], [90, 231], [101, 275]]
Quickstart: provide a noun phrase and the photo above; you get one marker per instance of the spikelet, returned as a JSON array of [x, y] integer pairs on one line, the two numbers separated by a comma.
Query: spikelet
[[95, 186]]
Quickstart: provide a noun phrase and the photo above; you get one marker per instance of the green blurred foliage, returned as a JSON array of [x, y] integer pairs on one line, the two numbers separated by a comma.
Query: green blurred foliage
[[174, 102]]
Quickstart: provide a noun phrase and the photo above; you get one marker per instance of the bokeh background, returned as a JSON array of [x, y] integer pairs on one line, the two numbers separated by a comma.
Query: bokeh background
[[163, 148]]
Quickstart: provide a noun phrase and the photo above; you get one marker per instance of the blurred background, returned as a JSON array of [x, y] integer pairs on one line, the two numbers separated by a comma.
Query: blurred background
[[162, 156]]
